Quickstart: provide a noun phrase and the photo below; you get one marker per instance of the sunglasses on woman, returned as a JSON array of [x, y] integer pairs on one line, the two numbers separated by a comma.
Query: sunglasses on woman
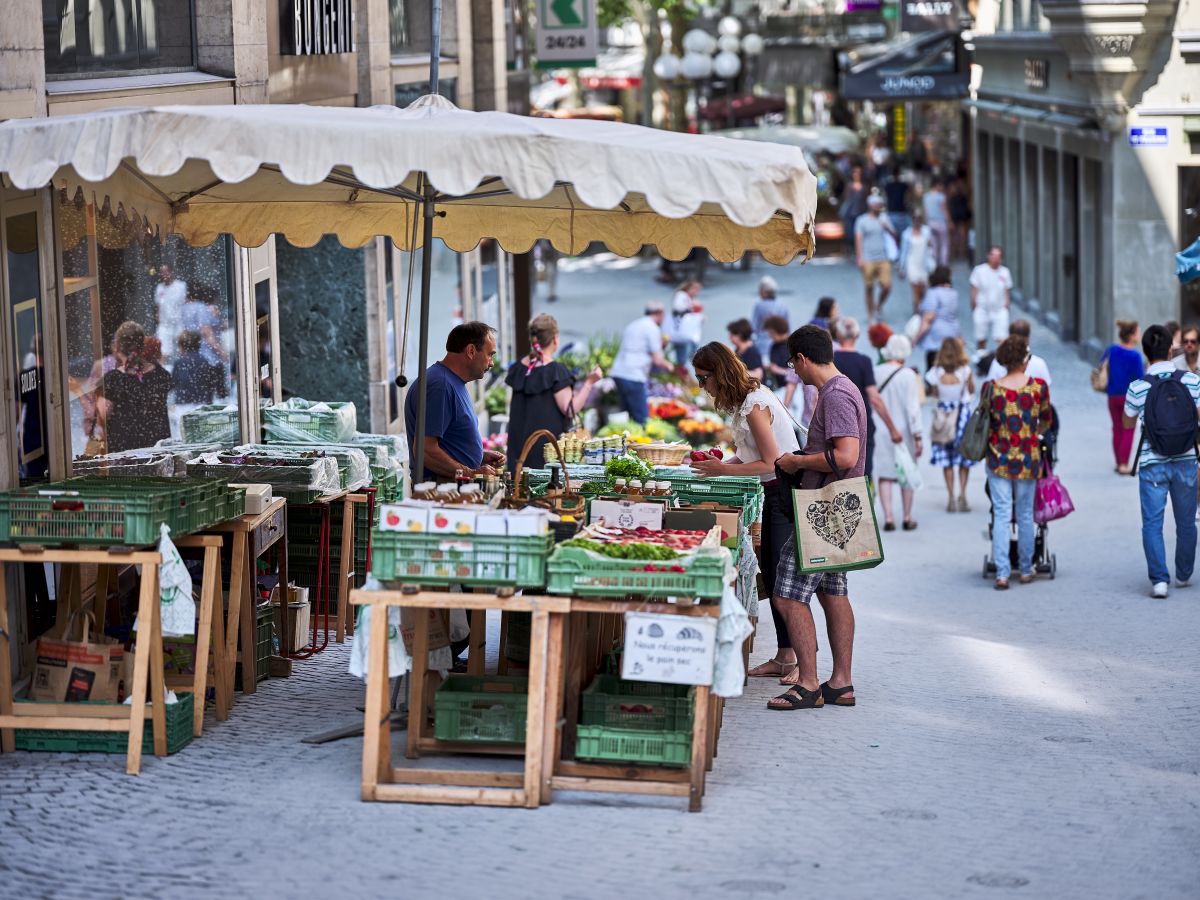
[[702, 379]]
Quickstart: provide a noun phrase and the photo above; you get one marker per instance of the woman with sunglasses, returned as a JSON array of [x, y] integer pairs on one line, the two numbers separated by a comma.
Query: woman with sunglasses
[[1019, 409], [762, 432]]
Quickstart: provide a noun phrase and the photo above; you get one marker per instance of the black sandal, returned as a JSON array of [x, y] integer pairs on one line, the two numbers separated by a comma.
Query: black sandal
[[799, 698], [836, 696]]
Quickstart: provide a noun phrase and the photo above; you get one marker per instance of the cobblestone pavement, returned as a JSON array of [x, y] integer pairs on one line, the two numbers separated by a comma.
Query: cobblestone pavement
[[1039, 743]]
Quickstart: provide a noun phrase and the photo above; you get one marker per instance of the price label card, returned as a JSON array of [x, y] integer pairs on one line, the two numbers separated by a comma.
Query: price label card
[[669, 649]]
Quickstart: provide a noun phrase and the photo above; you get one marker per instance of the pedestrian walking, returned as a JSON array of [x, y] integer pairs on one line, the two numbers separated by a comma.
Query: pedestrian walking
[[1167, 401], [762, 430], [854, 201], [1035, 368], [1124, 365], [896, 191], [683, 328], [900, 390], [991, 296], [917, 260], [958, 202], [775, 363], [826, 314], [768, 306], [939, 316], [859, 369], [954, 384], [1019, 414], [170, 294], [1189, 359], [937, 217], [132, 407], [741, 337], [545, 394], [871, 232], [641, 349], [837, 435]]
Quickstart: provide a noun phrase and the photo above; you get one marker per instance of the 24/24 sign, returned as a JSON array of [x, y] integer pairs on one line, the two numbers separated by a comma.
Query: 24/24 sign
[[567, 33]]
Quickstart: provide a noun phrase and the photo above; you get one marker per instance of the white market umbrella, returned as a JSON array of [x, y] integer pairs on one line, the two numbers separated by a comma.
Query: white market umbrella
[[307, 171]]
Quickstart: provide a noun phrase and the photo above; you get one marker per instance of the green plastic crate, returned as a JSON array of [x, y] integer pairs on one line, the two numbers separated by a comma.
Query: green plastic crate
[[576, 572], [264, 624], [660, 748], [216, 422], [108, 510], [488, 708], [336, 425], [475, 560], [179, 733], [637, 705]]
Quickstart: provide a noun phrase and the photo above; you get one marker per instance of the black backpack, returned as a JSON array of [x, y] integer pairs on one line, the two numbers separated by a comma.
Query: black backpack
[[1169, 419]]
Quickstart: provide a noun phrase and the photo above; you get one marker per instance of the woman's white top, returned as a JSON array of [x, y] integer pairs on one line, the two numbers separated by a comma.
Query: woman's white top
[[949, 393], [781, 426], [901, 398]]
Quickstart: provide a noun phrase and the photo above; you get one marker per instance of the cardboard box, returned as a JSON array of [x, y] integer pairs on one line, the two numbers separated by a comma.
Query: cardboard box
[[412, 517], [452, 520], [626, 514], [689, 520], [494, 524], [528, 523], [729, 518], [301, 615]]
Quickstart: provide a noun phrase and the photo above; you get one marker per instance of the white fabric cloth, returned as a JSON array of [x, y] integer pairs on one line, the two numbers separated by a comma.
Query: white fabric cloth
[[903, 403], [1035, 368], [170, 298], [733, 627], [570, 181], [781, 427], [177, 606], [641, 339], [992, 285], [955, 392]]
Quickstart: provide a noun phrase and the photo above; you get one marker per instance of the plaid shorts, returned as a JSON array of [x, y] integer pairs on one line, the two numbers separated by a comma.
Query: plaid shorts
[[792, 584]]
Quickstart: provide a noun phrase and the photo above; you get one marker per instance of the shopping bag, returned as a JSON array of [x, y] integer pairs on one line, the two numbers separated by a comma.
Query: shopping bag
[[1100, 377], [974, 441], [908, 473], [178, 606], [1050, 499], [71, 669], [835, 525]]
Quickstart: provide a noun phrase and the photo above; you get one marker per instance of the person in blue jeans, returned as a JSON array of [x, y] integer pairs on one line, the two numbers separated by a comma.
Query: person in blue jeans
[[641, 348], [1161, 476]]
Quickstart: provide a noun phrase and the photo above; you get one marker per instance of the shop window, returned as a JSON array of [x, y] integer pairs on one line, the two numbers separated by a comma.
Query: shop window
[[149, 330], [92, 36], [22, 270]]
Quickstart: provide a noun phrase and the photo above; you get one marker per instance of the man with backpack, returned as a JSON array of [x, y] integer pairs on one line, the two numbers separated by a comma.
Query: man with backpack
[[1167, 401]]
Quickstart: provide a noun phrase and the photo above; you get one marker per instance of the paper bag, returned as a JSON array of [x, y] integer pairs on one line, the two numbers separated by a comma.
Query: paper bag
[[71, 670], [835, 526], [438, 636]]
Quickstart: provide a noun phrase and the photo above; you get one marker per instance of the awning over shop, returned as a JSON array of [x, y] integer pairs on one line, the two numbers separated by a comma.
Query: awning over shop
[[746, 107], [919, 67], [1015, 111]]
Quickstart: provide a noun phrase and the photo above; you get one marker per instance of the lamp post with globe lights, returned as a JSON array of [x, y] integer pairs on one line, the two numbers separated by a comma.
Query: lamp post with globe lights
[[706, 57]]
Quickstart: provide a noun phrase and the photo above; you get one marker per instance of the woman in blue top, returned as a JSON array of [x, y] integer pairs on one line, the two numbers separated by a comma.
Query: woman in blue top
[[1125, 366]]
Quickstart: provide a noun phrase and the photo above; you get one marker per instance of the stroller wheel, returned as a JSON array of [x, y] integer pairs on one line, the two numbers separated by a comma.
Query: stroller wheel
[[1053, 565]]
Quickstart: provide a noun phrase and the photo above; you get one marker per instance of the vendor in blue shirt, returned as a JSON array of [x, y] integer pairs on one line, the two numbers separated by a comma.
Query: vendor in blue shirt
[[452, 439]]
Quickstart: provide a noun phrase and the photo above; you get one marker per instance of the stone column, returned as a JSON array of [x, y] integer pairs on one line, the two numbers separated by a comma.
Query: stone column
[[231, 40], [22, 61]]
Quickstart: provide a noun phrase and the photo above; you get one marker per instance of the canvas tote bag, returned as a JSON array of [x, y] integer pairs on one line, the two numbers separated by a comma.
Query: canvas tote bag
[[835, 524]]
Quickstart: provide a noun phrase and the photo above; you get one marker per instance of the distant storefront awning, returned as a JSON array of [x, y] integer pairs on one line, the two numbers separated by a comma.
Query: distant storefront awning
[[919, 67], [747, 107]]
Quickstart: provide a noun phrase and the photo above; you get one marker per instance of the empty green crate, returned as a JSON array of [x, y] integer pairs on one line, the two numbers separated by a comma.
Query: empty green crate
[[179, 733], [662, 748], [264, 623], [488, 708], [576, 572], [475, 560], [217, 423], [638, 705], [284, 421]]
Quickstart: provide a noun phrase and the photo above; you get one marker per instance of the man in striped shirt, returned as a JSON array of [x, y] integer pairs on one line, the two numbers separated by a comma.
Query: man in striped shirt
[[1162, 476]]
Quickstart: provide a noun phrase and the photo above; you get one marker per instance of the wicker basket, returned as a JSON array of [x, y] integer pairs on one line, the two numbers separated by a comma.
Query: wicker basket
[[662, 454], [562, 501]]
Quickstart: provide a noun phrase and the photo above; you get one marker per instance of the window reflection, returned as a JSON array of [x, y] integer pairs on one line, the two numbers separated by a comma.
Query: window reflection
[[117, 35]]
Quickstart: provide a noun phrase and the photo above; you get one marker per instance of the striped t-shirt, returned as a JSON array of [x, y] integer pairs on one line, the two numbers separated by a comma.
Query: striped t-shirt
[[1135, 405]]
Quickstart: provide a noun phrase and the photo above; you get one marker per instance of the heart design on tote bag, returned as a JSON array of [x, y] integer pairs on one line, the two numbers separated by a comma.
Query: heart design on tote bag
[[836, 520]]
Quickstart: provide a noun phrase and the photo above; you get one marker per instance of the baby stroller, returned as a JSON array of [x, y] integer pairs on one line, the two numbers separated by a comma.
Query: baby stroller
[[1044, 562]]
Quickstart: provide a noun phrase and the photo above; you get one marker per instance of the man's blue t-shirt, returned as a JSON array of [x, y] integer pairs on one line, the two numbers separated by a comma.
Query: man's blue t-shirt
[[449, 417]]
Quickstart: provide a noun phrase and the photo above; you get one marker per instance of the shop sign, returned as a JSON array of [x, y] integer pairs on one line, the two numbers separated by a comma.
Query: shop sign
[[669, 649], [863, 5], [920, 16], [567, 33], [911, 86], [316, 27], [1037, 74], [1148, 136]]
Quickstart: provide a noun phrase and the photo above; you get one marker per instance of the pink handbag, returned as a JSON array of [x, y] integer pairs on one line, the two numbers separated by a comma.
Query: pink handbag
[[1050, 499]]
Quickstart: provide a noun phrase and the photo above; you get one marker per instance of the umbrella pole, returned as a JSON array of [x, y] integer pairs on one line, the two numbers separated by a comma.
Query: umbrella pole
[[435, 54]]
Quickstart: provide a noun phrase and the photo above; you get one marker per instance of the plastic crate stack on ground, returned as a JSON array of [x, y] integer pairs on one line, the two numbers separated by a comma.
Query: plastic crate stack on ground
[[485, 709], [636, 722], [264, 625], [179, 733], [304, 534]]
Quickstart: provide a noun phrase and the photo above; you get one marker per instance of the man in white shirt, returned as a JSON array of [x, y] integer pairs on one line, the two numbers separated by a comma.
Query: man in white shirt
[[641, 348], [991, 287], [1035, 368], [170, 294]]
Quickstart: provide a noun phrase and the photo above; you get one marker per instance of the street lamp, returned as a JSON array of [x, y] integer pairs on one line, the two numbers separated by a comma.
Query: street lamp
[[705, 56]]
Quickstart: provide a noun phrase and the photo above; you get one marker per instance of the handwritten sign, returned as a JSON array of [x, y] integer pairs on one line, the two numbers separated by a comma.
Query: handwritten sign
[[669, 649]]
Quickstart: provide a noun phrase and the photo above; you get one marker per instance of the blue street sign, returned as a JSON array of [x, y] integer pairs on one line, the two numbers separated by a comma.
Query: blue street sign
[[1144, 136]]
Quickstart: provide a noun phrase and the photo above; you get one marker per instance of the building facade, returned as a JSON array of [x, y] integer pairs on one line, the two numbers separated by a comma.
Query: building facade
[[1086, 141]]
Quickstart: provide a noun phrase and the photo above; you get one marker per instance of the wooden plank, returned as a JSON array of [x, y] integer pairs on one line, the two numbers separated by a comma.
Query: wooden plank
[[433, 745], [247, 626], [345, 566], [452, 796], [198, 541], [71, 710], [233, 617], [444, 600], [502, 659], [552, 729], [699, 747], [416, 684], [208, 587], [249, 522], [8, 741], [576, 626], [535, 713], [477, 644], [96, 557], [376, 716], [456, 778], [623, 773], [220, 668], [602, 605], [615, 786], [158, 687], [147, 601], [66, 724]]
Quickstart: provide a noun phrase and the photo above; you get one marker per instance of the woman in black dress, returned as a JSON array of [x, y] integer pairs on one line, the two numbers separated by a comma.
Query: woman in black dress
[[544, 393], [134, 406]]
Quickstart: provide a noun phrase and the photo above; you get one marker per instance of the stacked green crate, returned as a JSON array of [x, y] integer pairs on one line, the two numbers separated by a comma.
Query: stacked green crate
[[304, 538], [636, 722]]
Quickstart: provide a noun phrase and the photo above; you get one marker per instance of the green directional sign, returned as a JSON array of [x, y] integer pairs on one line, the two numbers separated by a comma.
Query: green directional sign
[[565, 14], [566, 33]]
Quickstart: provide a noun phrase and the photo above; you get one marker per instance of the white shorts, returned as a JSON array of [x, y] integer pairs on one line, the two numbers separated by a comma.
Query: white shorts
[[991, 323]]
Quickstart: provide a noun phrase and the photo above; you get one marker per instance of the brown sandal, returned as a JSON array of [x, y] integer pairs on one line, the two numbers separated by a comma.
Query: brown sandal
[[781, 669], [836, 696]]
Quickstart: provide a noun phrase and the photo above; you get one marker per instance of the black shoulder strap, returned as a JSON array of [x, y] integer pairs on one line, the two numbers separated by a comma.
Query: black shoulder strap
[[888, 380]]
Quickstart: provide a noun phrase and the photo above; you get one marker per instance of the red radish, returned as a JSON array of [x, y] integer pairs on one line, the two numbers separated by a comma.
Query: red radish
[[698, 455], [717, 453]]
